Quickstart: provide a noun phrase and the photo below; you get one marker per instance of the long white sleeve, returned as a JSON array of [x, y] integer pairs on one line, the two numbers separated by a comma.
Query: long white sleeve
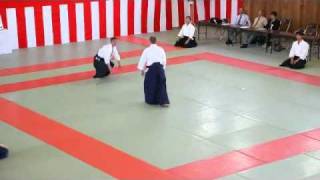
[[180, 34], [164, 59], [116, 54], [305, 51], [191, 32], [143, 61], [291, 54]]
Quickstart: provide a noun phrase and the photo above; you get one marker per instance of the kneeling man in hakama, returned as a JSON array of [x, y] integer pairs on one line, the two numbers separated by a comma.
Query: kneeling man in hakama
[[186, 37], [152, 64], [102, 62], [298, 53]]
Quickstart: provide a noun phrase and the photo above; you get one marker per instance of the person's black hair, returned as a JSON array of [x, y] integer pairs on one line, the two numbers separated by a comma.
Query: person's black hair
[[153, 39], [113, 38], [301, 33], [189, 17], [274, 13]]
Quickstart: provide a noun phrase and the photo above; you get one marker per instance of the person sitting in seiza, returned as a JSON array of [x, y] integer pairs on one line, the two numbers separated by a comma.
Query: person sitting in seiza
[[186, 37], [298, 53], [241, 20], [259, 24], [103, 60], [152, 64]]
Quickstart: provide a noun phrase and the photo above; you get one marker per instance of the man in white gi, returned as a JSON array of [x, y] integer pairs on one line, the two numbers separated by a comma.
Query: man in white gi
[[103, 60], [152, 64], [298, 53], [186, 37]]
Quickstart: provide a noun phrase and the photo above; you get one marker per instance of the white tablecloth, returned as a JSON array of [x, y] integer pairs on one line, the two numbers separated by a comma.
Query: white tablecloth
[[6, 42]]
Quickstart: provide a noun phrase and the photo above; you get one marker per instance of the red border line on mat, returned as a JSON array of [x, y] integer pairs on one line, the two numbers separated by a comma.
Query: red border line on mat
[[59, 64], [82, 61], [242, 64], [87, 149], [264, 69], [243, 159], [48, 81], [113, 160]]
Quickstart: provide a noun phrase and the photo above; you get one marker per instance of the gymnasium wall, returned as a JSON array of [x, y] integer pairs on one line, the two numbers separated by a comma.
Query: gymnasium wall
[[301, 11], [40, 23]]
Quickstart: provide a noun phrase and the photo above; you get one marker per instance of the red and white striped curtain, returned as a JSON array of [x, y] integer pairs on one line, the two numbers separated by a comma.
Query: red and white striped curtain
[[41, 23]]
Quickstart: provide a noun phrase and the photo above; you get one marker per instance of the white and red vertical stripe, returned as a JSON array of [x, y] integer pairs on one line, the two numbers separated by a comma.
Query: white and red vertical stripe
[[40, 24]]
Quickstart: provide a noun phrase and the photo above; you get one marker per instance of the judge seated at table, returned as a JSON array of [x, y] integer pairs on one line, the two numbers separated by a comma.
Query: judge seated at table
[[186, 37], [298, 53], [241, 20], [273, 25], [259, 24]]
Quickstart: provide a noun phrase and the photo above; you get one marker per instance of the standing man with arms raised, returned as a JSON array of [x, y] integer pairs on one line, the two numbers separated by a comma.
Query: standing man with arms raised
[[152, 65]]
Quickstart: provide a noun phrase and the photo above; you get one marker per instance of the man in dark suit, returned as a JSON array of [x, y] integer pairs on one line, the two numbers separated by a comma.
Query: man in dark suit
[[273, 25], [273, 22]]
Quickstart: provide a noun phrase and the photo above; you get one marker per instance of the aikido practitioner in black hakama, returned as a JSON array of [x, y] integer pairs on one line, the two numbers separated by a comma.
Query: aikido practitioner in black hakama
[[152, 64], [298, 53], [102, 62], [3, 151], [186, 37]]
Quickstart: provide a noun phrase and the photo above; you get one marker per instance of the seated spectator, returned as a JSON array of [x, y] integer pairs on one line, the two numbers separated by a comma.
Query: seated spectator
[[241, 20], [259, 24], [273, 25], [298, 53]]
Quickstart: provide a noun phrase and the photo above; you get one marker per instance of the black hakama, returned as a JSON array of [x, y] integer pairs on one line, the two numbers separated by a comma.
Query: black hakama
[[155, 88], [101, 67], [181, 42], [3, 152], [299, 65]]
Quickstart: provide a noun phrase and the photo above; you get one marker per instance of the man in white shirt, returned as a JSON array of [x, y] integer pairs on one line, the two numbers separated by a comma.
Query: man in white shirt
[[103, 60], [259, 24], [152, 64], [298, 53], [186, 37], [241, 20]]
